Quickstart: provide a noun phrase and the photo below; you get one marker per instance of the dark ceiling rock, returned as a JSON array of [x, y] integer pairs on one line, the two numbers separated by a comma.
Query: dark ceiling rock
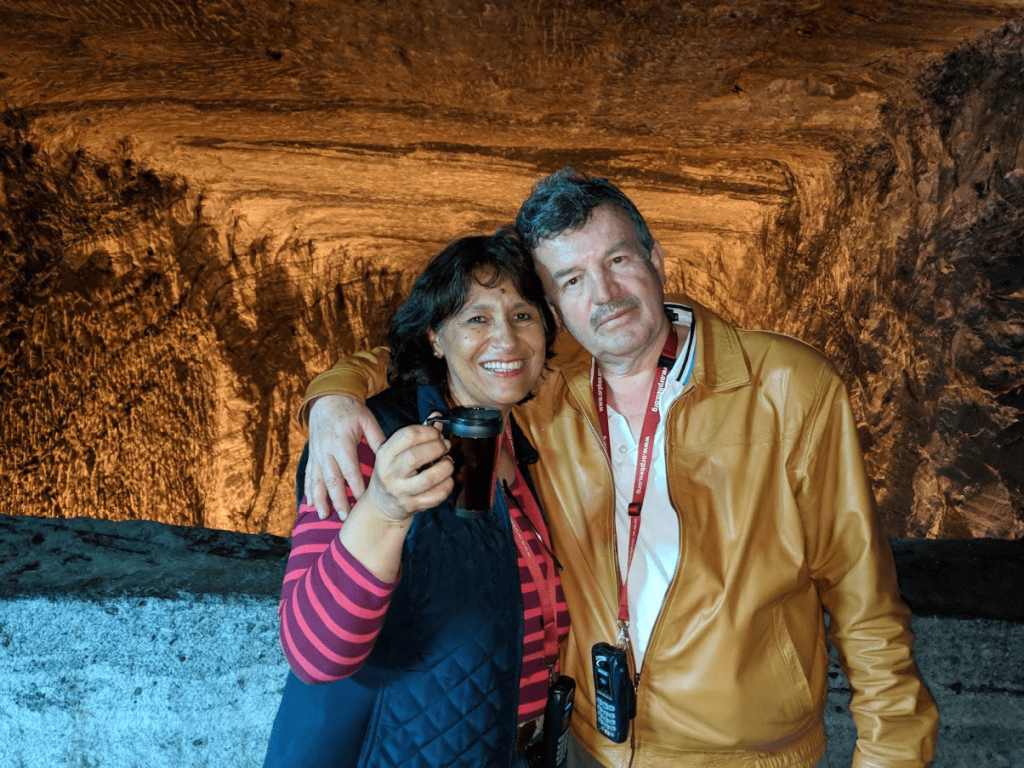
[[203, 205]]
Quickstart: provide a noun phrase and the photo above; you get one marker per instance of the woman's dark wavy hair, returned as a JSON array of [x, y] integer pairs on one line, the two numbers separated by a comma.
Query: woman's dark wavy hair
[[440, 292], [565, 201]]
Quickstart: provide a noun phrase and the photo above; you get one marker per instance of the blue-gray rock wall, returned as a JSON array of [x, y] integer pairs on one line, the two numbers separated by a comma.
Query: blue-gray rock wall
[[137, 643]]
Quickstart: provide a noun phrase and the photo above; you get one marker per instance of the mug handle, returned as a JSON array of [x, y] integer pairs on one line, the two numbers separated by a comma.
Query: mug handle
[[446, 420]]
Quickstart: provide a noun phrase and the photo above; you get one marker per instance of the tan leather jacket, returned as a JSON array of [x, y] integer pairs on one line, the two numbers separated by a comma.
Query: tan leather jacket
[[776, 521]]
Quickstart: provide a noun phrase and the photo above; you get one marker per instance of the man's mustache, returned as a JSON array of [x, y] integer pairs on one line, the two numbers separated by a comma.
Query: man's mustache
[[630, 302]]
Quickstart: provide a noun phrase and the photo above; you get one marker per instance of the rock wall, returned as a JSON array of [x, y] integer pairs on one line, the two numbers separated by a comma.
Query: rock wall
[[201, 206], [914, 287], [151, 362], [138, 643]]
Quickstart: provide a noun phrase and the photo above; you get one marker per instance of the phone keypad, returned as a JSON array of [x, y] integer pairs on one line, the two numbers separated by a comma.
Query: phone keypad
[[606, 719]]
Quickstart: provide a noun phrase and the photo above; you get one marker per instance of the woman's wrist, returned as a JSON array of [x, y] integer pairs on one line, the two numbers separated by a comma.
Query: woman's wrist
[[375, 539], [386, 517]]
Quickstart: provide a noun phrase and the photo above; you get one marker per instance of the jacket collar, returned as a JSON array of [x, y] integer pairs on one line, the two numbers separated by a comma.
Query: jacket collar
[[720, 362]]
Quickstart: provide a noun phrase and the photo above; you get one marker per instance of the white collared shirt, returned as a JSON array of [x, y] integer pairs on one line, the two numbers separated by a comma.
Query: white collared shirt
[[657, 550]]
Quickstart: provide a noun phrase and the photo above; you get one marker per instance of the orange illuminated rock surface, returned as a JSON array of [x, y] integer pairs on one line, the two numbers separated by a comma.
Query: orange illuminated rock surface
[[203, 204]]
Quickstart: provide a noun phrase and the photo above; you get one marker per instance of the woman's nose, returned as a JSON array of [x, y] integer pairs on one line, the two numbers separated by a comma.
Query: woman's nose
[[502, 334]]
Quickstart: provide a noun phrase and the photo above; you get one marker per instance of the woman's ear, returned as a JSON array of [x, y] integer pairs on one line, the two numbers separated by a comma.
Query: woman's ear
[[432, 336]]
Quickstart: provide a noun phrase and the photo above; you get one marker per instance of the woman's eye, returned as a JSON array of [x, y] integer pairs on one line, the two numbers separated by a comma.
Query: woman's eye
[[477, 319], [524, 316]]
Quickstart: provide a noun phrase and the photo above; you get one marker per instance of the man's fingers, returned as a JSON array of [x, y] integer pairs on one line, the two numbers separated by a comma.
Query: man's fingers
[[307, 487], [316, 492], [336, 424], [372, 431], [346, 464], [335, 482]]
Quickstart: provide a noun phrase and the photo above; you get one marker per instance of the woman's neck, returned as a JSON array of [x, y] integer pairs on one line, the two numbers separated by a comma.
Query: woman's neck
[[453, 401]]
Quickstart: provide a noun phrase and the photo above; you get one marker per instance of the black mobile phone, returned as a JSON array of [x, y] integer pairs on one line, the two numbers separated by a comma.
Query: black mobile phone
[[553, 748], [615, 695], [557, 716]]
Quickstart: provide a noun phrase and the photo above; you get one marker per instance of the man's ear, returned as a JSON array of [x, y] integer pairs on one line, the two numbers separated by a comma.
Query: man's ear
[[554, 311], [658, 261]]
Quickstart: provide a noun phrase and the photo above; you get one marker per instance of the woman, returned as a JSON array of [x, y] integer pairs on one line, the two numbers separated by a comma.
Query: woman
[[434, 637]]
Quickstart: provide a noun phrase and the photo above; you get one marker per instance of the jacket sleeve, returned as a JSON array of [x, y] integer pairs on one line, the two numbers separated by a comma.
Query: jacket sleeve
[[853, 568], [360, 375]]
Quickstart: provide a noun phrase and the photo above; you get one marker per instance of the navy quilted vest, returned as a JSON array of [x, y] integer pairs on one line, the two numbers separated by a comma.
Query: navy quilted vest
[[441, 686]]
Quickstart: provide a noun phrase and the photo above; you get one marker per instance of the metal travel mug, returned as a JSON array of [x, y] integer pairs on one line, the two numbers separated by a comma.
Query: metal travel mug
[[474, 432]]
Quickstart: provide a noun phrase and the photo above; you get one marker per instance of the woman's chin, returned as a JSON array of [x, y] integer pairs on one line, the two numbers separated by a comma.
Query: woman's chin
[[504, 399]]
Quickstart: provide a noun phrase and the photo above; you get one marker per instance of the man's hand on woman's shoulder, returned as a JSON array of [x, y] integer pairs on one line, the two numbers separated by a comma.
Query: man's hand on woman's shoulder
[[336, 425]]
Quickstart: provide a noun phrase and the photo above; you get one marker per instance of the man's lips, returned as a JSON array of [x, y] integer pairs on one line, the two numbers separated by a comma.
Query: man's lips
[[614, 313]]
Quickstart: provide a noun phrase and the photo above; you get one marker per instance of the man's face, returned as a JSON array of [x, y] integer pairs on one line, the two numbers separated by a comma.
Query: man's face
[[603, 288]]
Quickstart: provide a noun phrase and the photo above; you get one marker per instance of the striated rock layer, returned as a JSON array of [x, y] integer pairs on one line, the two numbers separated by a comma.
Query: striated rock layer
[[202, 205]]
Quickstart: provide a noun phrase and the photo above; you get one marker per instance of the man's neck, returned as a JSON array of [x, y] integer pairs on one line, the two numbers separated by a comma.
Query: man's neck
[[629, 382]]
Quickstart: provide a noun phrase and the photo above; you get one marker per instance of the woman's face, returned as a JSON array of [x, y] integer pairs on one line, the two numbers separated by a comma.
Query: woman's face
[[493, 346]]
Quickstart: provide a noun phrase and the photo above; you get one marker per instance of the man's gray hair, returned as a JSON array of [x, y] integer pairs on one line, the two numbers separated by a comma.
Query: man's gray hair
[[565, 201]]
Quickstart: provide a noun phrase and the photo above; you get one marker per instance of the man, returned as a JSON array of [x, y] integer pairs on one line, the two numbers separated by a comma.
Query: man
[[718, 471]]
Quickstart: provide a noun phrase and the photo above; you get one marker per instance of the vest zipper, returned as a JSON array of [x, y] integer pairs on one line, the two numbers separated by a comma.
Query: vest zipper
[[511, 541]]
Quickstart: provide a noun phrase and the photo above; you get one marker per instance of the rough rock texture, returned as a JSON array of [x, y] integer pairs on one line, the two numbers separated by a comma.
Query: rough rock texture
[[138, 643], [203, 204]]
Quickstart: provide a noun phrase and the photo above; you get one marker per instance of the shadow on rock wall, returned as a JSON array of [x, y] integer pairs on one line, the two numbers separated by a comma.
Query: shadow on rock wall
[[960, 284], [150, 366], [911, 281], [153, 352]]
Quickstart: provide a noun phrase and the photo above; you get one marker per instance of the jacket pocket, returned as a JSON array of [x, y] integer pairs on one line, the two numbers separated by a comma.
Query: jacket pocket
[[801, 699]]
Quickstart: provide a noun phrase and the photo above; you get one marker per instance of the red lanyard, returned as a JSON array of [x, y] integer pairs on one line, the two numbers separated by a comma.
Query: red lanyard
[[650, 426], [546, 587]]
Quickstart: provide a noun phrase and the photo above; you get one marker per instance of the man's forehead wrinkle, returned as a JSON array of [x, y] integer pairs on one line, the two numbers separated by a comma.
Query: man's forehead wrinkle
[[618, 246]]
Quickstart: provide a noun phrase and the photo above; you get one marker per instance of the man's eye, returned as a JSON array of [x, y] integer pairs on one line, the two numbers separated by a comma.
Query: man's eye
[[477, 319], [572, 281], [524, 316]]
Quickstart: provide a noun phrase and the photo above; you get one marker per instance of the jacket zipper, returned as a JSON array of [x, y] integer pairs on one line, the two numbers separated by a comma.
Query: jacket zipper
[[675, 572], [618, 572], [615, 551]]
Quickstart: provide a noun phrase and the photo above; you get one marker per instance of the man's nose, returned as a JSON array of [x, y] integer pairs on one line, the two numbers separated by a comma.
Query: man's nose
[[602, 287]]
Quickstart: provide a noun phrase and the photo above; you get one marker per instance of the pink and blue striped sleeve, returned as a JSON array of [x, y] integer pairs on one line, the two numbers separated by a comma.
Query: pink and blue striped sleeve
[[332, 607]]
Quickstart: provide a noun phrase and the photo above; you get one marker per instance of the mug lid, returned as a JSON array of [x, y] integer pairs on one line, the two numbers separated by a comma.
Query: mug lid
[[478, 419]]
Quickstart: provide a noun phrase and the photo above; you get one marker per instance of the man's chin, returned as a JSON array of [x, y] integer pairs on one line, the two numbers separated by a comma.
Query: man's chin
[[615, 343]]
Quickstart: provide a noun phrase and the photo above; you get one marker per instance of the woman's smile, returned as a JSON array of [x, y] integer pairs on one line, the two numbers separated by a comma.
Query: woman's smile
[[493, 346]]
